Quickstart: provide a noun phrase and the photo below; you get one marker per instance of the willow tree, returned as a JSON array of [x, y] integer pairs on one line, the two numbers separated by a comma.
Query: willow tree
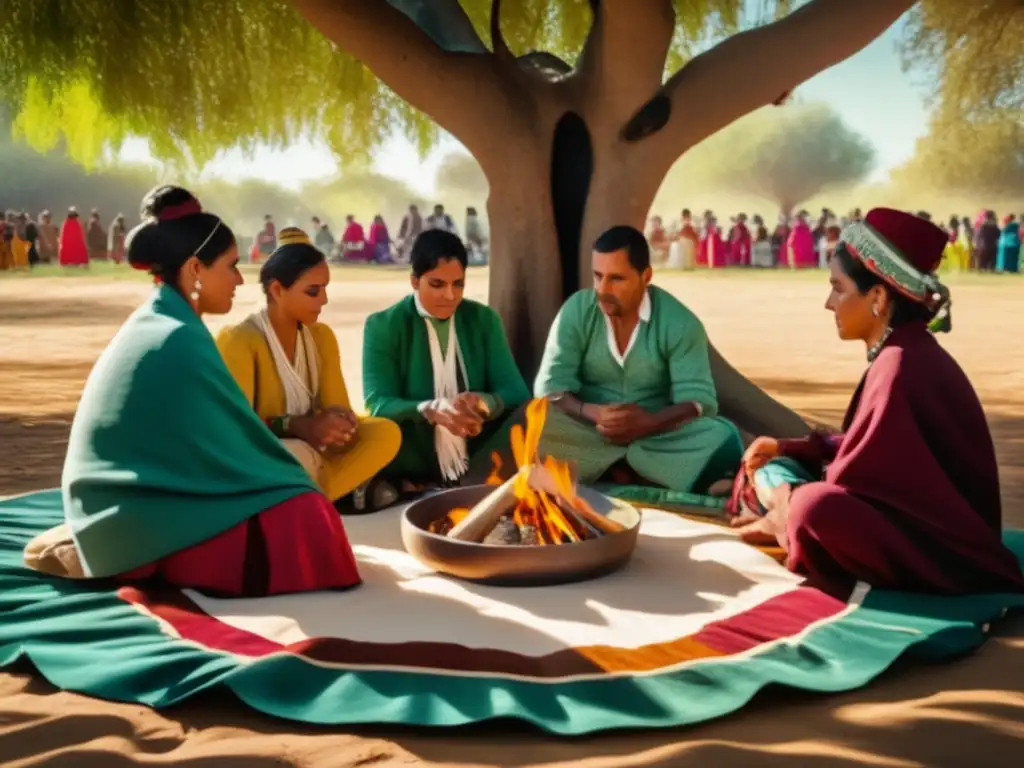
[[981, 156], [575, 110], [786, 156], [973, 54]]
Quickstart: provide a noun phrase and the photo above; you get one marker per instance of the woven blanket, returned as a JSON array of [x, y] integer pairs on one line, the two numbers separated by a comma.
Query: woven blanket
[[690, 630]]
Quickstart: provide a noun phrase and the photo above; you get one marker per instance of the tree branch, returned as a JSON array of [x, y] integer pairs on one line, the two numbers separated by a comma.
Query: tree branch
[[625, 51], [398, 40], [755, 68], [498, 44]]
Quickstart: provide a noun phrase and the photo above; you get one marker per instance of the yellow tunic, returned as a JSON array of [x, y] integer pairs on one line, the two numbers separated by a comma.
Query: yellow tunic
[[19, 252], [377, 441]]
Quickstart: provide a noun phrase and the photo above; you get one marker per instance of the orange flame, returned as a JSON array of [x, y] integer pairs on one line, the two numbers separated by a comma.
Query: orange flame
[[537, 509]]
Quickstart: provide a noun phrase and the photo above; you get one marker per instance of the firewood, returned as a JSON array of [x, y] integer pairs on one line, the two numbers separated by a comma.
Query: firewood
[[504, 533], [586, 513], [528, 536], [485, 514]]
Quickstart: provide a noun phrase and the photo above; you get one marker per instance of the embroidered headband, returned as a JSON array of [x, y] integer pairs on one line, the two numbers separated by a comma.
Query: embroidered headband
[[878, 255]]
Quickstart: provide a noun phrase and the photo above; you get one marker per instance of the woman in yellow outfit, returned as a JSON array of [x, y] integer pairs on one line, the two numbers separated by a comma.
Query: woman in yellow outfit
[[289, 367]]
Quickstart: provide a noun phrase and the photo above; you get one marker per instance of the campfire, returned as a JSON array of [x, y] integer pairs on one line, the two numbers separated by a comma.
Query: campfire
[[538, 506]]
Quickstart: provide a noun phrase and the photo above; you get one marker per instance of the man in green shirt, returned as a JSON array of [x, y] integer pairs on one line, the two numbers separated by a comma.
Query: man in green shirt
[[626, 366], [440, 366]]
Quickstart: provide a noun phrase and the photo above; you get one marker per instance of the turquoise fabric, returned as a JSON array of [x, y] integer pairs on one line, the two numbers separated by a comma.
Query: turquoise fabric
[[165, 451], [83, 637]]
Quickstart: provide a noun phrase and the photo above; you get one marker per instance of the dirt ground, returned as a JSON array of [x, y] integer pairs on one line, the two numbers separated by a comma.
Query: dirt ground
[[772, 326]]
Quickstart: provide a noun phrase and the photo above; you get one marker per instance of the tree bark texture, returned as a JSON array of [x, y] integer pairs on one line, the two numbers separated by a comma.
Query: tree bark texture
[[571, 151]]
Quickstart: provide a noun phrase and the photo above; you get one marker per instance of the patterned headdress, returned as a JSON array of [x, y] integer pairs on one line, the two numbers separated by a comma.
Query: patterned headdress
[[292, 236], [904, 250]]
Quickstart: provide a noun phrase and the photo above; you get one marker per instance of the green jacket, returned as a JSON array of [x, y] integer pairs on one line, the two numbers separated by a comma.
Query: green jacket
[[398, 375]]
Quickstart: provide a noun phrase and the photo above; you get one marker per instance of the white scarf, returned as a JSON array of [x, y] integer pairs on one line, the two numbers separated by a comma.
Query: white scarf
[[452, 455], [301, 380]]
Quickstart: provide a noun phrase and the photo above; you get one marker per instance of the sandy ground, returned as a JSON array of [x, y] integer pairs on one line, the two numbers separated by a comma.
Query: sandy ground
[[771, 326]]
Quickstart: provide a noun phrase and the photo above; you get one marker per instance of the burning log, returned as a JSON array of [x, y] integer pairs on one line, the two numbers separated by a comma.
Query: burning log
[[539, 505], [485, 515]]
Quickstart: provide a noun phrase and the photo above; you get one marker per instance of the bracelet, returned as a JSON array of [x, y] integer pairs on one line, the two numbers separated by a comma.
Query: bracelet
[[698, 408], [279, 425]]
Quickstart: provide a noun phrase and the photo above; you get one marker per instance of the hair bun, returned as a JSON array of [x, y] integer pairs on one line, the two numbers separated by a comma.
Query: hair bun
[[168, 203], [172, 212]]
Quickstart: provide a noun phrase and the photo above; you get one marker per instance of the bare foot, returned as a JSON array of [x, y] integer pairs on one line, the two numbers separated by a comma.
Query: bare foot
[[745, 517], [721, 488], [757, 534]]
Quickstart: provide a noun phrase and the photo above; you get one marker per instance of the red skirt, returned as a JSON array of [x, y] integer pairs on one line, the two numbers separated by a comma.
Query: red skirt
[[299, 545]]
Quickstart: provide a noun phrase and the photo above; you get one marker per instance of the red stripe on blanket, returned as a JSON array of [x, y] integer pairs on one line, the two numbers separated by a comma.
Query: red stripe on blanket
[[781, 616]]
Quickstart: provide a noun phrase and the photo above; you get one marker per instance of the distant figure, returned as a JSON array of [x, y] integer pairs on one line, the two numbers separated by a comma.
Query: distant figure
[[779, 239], [265, 242], [6, 236], [657, 238], [412, 226], [323, 238], [682, 254], [967, 234], [761, 251], [115, 240], [740, 242], [475, 240], [1008, 258], [72, 251], [20, 244], [48, 241], [353, 241], [957, 255], [96, 238], [712, 248], [800, 252], [830, 240], [380, 241], [986, 242], [441, 220], [31, 230]]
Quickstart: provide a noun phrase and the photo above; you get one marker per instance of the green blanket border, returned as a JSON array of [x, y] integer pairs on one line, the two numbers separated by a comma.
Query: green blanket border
[[84, 638]]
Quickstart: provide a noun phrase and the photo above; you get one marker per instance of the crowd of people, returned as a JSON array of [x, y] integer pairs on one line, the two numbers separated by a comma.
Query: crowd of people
[[234, 484], [982, 244], [26, 242]]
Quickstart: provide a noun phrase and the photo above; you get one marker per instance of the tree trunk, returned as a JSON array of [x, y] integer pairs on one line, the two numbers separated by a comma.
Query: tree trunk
[[551, 196], [569, 151]]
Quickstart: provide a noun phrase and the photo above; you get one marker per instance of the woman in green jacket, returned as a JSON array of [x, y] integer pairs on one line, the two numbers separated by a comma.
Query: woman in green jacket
[[440, 366]]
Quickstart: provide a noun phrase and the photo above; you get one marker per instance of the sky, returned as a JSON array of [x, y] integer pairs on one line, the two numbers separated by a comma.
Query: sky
[[870, 91]]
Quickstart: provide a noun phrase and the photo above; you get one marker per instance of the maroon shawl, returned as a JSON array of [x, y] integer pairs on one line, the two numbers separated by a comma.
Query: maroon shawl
[[916, 449]]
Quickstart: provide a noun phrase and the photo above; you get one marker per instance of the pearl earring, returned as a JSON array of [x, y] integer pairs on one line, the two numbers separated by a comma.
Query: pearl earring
[[195, 291]]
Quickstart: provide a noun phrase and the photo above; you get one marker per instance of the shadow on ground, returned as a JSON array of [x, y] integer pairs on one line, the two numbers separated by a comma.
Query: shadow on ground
[[31, 313]]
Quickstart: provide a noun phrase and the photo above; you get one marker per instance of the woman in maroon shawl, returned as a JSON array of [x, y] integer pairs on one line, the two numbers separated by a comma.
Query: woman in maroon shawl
[[910, 496]]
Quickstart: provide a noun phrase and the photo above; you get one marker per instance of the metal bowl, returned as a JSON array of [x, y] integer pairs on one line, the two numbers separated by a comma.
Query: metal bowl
[[517, 565]]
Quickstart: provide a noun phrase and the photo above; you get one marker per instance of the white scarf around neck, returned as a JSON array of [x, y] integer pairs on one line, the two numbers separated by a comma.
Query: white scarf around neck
[[301, 380], [452, 454]]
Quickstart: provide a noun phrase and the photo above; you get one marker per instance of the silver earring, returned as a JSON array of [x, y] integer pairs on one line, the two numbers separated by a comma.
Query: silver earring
[[195, 291], [875, 312]]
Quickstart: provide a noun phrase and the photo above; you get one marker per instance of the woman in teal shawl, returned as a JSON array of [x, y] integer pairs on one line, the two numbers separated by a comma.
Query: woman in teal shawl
[[170, 474], [1008, 256]]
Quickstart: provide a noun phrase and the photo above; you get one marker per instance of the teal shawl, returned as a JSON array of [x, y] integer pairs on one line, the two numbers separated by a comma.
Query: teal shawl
[[165, 452]]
